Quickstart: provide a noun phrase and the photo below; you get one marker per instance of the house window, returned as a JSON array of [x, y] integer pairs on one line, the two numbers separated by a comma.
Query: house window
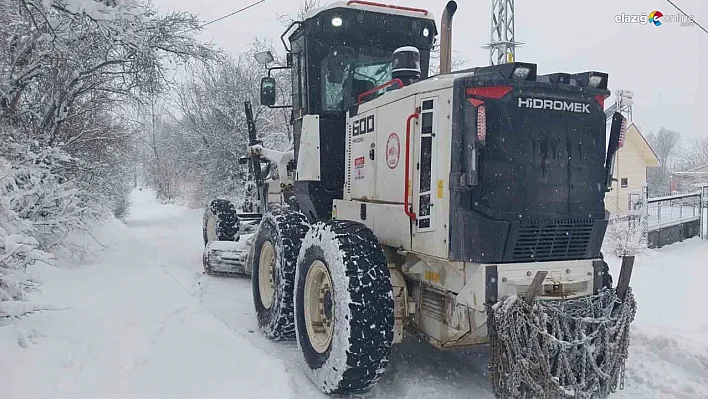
[[625, 182]]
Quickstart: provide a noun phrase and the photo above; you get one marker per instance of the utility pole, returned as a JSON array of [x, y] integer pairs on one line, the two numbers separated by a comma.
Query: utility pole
[[624, 100], [502, 44]]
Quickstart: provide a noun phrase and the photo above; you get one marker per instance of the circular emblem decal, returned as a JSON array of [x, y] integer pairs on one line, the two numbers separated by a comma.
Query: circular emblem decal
[[393, 151]]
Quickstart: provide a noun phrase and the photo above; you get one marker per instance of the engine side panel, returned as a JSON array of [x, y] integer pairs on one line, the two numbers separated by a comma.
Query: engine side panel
[[390, 146], [375, 169], [431, 170], [385, 220], [361, 155]]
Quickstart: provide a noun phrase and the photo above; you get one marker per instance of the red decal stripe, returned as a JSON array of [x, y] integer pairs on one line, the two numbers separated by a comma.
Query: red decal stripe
[[373, 4], [495, 92]]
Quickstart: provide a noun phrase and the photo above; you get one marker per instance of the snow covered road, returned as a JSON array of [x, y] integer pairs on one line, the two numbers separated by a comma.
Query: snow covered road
[[142, 321]]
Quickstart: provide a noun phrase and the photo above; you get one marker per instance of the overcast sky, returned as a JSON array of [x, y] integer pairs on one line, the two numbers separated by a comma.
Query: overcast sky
[[666, 66]]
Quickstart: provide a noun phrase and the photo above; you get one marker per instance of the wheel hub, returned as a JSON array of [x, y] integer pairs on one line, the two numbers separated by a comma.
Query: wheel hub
[[319, 307], [266, 285]]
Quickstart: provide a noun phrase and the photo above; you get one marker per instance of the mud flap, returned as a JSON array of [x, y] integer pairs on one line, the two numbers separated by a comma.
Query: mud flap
[[560, 349]]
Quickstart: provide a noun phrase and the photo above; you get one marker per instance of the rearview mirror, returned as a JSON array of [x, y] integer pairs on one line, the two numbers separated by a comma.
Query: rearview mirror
[[268, 91], [264, 58]]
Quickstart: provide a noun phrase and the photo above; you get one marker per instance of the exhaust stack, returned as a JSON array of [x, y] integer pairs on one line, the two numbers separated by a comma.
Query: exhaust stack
[[446, 37]]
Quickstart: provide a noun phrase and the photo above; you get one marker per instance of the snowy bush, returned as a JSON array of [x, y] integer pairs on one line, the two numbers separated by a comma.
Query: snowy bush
[[625, 237], [16, 253], [21, 188], [35, 190]]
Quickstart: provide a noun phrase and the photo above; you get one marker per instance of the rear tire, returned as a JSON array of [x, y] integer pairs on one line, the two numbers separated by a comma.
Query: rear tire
[[347, 267], [220, 222], [273, 262]]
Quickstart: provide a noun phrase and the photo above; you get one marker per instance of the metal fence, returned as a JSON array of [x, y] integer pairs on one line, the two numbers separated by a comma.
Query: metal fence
[[674, 209], [670, 219], [675, 218]]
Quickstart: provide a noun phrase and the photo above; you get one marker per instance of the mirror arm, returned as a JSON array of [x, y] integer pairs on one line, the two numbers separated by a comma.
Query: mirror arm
[[276, 69]]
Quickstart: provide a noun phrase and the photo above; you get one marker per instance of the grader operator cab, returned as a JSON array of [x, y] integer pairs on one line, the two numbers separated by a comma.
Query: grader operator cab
[[465, 208]]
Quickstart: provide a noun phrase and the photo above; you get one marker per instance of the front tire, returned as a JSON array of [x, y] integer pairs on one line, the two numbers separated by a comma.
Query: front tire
[[220, 222], [344, 310], [273, 262]]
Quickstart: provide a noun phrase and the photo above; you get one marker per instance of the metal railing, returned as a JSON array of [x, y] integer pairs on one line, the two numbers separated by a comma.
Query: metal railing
[[673, 209], [665, 220]]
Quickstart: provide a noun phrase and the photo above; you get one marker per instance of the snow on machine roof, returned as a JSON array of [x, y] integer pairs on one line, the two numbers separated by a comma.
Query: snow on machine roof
[[374, 7]]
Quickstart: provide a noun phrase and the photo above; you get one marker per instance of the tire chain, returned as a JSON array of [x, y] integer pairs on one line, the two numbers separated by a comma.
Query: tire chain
[[545, 350]]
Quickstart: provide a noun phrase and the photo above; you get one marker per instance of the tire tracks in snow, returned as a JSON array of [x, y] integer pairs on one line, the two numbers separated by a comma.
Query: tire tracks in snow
[[200, 289], [197, 286]]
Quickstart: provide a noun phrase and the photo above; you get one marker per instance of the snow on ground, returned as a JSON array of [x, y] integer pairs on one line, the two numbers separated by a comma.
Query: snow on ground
[[140, 320], [669, 347]]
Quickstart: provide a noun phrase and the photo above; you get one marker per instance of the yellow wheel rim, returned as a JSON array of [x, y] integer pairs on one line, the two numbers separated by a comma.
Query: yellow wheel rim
[[319, 306], [211, 229], [266, 285]]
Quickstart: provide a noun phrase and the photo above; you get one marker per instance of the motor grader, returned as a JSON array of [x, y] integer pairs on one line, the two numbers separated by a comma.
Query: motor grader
[[464, 208]]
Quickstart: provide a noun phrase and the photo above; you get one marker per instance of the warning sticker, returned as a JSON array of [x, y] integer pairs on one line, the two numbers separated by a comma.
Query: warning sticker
[[359, 168], [432, 276], [441, 188]]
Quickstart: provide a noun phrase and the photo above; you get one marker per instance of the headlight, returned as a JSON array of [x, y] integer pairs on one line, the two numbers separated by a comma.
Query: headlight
[[521, 73], [337, 22], [595, 81]]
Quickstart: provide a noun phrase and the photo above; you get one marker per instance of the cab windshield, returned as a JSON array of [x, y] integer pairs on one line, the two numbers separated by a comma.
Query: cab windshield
[[348, 72]]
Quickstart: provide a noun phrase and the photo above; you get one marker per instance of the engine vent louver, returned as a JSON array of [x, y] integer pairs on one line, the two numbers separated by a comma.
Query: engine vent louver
[[433, 305], [348, 183], [553, 240]]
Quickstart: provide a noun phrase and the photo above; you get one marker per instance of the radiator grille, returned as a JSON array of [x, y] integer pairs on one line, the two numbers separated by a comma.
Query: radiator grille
[[554, 240]]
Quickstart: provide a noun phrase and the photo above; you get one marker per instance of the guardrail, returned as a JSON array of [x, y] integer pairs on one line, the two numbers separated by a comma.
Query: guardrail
[[674, 218]]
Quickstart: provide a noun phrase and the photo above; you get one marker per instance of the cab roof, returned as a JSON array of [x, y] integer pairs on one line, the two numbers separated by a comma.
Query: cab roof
[[373, 7]]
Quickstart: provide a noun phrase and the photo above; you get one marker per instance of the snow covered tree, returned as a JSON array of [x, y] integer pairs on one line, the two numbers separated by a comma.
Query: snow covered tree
[[200, 146], [69, 69], [64, 56], [665, 144], [697, 154]]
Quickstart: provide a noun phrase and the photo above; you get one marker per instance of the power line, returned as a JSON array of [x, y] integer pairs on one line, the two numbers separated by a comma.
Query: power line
[[687, 16], [232, 14]]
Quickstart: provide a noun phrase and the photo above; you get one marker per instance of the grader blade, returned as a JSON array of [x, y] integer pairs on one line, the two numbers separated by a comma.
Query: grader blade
[[227, 257], [551, 349]]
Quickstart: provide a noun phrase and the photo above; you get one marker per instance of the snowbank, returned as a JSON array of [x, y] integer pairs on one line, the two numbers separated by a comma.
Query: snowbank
[[669, 348], [130, 328]]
